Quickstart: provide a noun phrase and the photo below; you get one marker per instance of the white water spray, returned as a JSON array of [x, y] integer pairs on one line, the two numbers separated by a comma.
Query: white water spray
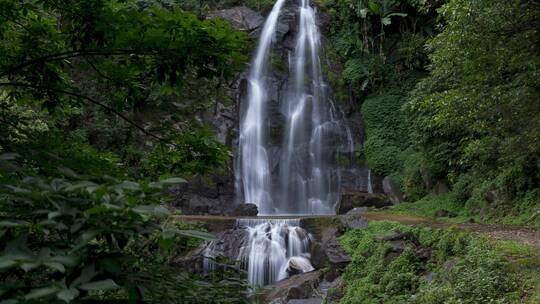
[[253, 156], [274, 249]]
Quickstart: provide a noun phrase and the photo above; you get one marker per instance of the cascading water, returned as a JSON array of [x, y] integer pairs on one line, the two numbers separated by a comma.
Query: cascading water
[[273, 250], [307, 181], [254, 169]]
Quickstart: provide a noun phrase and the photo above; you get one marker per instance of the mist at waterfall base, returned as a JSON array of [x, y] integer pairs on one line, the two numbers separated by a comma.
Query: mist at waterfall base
[[306, 179]]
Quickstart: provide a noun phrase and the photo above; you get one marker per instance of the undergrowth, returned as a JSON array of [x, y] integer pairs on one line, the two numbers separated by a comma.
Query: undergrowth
[[525, 213], [459, 267]]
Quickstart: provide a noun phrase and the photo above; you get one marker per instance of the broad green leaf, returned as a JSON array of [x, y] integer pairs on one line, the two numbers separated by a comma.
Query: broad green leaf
[[8, 156], [129, 185], [99, 285], [68, 295], [87, 274], [7, 263], [27, 266], [13, 223], [197, 234], [88, 185], [41, 292], [68, 172], [17, 189], [55, 266], [151, 210], [173, 180]]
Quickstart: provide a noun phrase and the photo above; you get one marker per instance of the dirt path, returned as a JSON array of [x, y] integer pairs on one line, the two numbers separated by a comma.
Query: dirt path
[[497, 232]]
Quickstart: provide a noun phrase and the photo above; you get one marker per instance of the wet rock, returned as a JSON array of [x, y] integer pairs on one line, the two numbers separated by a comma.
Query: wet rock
[[392, 190], [394, 236], [241, 17], [399, 246], [245, 210], [351, 200], [299, 264], [439, 188], [444, 213], [493, 196], [192, 261], [229, 243], [336, 291], [307, 301], [355, 218], [301, 286], [198, 197], [329, 252]]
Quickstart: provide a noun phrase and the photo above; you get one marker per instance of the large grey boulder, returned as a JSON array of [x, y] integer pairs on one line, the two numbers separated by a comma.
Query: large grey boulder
[[355, 218], [299, 264], [439, 188], [336, 291], [300, 286], [228, 245], [328, 252], [354, 199], [392, 190], [245, 210], [241, 17]]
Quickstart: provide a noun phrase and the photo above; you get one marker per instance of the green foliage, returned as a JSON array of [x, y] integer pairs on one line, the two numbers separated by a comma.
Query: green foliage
[[475, 115], [74, 237], [194, 152], [464, 268], [386, 132]]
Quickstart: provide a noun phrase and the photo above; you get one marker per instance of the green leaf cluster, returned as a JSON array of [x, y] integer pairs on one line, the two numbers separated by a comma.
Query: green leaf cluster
[[78, 237]]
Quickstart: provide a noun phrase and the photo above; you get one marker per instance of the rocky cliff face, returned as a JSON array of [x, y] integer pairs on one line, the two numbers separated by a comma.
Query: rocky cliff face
[[218, 195]]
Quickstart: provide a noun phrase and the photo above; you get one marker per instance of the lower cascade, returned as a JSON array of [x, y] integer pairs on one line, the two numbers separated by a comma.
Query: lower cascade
[[270, 249]]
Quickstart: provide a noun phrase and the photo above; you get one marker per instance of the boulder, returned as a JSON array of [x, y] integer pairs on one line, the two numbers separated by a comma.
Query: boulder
[[300, 286], [191, 262], [493, 196], [298, 264], [241, 17], [228, 244], [439, 188], [355, 218], [392, 190], [245, 210], [353, 199], [444, 213], [394, 236], [336, 291], [328, 252], [306, 301]]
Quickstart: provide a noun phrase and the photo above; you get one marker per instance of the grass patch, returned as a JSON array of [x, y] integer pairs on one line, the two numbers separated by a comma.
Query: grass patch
[[435, 266], [459, 212]]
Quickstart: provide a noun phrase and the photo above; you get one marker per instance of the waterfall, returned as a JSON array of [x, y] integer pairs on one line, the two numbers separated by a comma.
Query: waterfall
[[274, 249], [307, 178], [253, 156]]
